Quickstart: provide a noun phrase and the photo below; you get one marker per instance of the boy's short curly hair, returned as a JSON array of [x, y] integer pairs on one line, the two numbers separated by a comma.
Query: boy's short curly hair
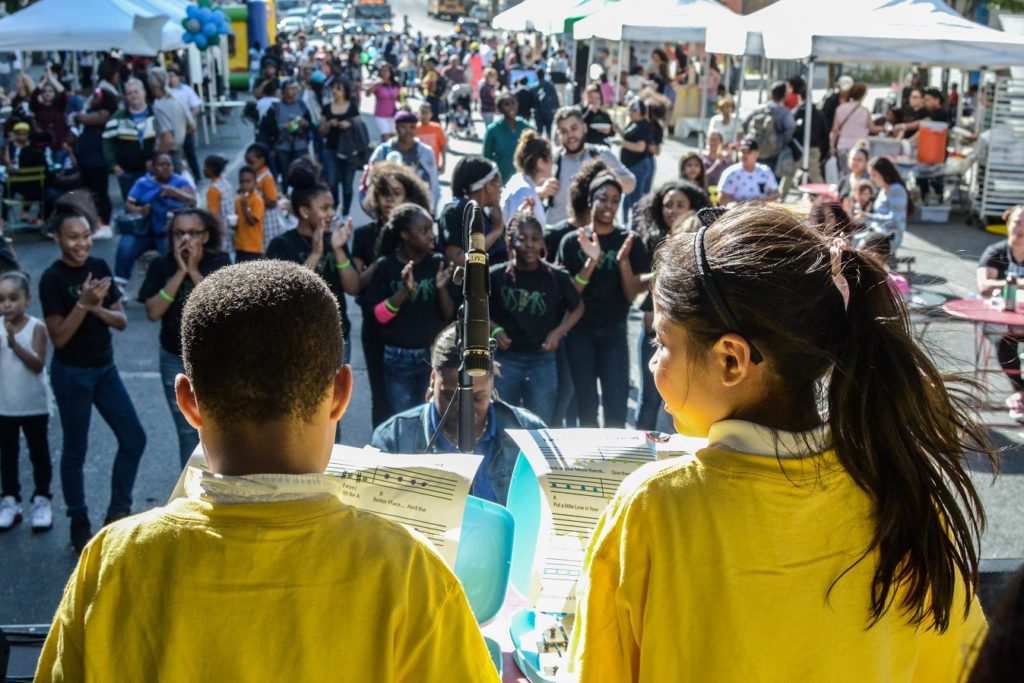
[[261, 341]]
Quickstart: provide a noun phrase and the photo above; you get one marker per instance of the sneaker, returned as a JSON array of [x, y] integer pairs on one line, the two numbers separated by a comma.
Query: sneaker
[[81, 532], [41, 514], [104, 232], [10, 512]]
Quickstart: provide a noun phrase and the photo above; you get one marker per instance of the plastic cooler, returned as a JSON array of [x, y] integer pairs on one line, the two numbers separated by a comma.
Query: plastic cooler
[[483, 561], [931, 142]]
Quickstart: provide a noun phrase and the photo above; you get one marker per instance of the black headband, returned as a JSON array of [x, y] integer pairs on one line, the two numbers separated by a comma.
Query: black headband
[[717, 301], [602, 180]]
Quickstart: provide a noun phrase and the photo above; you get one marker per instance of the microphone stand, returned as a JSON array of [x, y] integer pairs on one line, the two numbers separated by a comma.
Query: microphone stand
[[466, 412]]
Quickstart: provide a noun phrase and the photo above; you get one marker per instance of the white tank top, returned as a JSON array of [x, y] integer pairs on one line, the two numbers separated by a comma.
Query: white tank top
[[22, 392]]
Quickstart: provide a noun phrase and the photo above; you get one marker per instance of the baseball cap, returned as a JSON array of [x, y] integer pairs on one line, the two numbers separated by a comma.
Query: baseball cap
[[748, 143]]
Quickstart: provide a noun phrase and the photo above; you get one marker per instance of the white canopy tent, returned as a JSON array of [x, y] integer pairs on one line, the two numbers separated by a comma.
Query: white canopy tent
[[677, 21], [902, 31], [143, 27], [546, 16]]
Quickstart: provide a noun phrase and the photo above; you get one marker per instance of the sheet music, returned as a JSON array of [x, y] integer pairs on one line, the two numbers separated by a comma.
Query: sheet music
[[422, 492], [578, 470]]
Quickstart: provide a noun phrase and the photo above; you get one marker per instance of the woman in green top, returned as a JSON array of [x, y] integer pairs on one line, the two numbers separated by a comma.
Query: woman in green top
[[502, 136]]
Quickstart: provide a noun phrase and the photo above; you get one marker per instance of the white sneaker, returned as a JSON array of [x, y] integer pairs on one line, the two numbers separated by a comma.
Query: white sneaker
[[10, 512], [104, 232], [41, 514]]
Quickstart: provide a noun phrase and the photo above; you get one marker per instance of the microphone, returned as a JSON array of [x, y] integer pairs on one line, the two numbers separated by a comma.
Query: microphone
[[476, 291]]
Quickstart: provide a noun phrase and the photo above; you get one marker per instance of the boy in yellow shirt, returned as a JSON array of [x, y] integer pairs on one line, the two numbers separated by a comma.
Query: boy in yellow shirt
[[260, 573], [250, 209]]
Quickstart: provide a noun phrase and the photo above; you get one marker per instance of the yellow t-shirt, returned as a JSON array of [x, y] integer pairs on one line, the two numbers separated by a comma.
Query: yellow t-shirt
[[717, 567], [301, 590]]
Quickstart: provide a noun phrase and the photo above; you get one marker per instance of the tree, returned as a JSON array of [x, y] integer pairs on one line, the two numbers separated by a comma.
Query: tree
[[969, 8]]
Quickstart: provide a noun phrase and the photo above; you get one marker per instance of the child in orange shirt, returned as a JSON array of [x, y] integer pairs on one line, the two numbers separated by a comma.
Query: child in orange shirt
[[431, 134], [220, 196], [258, 156], [250, 235]]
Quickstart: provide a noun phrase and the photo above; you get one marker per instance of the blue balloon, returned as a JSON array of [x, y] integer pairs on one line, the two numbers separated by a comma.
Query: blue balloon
[[188, 37], [209, 29], [191, 11], [201, 41], [219, 15], [194, 25], [204, 15]]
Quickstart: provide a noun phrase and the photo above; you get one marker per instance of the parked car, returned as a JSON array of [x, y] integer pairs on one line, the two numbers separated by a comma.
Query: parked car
[[469, 28], [481, 13], [328, 20]]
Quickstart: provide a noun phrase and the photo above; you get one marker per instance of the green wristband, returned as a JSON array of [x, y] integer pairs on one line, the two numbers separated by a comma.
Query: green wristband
[[343, 266], [580, 281], [166, 297], [496, 331], [391, 307]]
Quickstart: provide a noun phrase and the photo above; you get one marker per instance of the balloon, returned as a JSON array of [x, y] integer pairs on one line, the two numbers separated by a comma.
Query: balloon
[[204, 15], [200, 41], [184, 23], [213, 40], [218, 15], [194, 25], [191, 11], [188, 37], [209, 29]]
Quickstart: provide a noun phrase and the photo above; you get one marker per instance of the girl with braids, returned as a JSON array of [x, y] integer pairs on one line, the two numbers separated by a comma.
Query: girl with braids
[[533, 307], [319, 241], [833, 494], [533, 183], [195, 238], [478, 179], [411, 300], [579, 206], [389, 185], [606, 263], [670, 209]]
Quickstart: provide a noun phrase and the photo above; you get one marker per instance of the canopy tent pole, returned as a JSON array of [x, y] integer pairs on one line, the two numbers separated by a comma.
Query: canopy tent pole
[[74, 70], [979, 110], [727, 66], [962, 97], [739, 95], [618, 70], [765, 65], [703, 85], [808, 118]]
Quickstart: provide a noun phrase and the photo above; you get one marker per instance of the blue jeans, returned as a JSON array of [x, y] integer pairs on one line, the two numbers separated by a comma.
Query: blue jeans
[[565, 397], [339, 171], [77, 390], [407, 376], [283, 158], [644, 172], [648, 401], [530, 379], [600, 355], [130, 248], [188, 438]]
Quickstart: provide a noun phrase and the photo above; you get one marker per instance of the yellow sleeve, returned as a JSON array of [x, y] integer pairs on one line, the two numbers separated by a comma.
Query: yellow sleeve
[[63, 655], [269, 189], [603, 646], [950, 656], [213, 200]]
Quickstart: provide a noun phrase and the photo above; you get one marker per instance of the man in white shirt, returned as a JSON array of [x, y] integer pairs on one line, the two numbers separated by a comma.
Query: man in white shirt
[[184, 93], [747, 180]]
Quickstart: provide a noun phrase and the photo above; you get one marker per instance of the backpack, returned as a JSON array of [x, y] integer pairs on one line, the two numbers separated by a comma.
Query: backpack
[[762, 130]]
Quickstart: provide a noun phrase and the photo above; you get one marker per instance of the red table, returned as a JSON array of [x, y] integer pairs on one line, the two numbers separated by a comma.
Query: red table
[[819, 189], [983, 316]]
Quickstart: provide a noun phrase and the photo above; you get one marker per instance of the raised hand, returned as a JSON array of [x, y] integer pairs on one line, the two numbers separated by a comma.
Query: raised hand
[[180, 257], [88, 296], [504, 341], [195, 255], [528, 205], [549, 188], [408, 279], [444, 275], [340, 234], [625, 249], [590, 245]]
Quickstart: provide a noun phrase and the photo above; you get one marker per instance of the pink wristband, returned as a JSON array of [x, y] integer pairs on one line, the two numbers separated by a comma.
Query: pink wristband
[[383, 315]]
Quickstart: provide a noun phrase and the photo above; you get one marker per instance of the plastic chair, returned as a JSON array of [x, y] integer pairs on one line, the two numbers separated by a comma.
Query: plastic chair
[[19, 180], [713, 194]]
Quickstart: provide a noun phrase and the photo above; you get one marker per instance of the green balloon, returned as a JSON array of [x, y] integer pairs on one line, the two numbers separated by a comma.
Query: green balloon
[[184, 23], [212, 40]]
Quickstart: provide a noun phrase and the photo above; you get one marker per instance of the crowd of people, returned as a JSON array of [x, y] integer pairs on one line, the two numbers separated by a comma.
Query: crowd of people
[[575, 231]]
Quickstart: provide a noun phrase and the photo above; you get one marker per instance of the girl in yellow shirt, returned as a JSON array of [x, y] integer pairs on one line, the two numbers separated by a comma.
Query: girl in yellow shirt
[[829, 531]]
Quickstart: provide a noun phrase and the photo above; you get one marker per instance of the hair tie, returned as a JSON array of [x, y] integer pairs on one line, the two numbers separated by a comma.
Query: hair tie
[[838, 279]]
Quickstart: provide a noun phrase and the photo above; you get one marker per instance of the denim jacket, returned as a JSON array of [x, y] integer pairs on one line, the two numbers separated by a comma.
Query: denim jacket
[[410, 431]]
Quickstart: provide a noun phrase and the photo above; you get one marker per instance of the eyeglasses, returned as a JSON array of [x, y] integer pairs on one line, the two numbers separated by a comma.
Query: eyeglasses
[[180, 234]]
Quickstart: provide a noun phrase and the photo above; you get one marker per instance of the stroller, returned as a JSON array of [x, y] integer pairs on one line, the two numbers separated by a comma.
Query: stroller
[[460, 118]]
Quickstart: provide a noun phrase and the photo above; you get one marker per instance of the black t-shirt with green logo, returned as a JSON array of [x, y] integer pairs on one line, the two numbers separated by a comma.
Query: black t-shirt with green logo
[[420, 319], [59, 288], [295, 247], [160, 271], [530, 303], [603, 296]]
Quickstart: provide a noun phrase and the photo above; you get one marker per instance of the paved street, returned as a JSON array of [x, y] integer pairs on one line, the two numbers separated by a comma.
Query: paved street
[[35, 567]]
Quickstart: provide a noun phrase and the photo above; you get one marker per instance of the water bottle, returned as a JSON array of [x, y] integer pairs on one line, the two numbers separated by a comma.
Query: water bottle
[[995, 300], [1010, 293]]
